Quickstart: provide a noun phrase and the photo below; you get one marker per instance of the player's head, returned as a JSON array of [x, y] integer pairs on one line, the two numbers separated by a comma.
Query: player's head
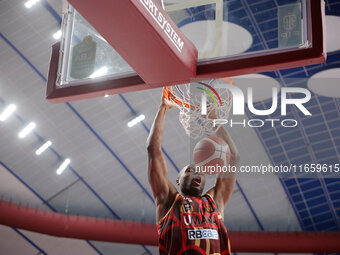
[[190, 182]]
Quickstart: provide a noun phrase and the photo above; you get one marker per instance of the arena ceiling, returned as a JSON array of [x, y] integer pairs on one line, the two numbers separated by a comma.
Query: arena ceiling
[[107, 176]]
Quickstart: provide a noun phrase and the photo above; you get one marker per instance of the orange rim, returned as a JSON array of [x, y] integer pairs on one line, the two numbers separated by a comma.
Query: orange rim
[[170, 96]]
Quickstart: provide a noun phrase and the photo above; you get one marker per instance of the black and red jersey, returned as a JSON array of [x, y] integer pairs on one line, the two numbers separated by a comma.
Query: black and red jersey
[[193, 225]]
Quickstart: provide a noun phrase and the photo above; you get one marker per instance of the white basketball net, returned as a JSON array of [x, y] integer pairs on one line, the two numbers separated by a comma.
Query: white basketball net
[[189, 99]]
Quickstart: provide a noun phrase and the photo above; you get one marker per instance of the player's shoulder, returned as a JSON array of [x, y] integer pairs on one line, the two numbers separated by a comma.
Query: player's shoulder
[[208, 196], [166, 209], [210, 192]]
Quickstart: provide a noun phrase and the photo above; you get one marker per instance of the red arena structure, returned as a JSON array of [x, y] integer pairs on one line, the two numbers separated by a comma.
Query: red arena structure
[[171, 127]]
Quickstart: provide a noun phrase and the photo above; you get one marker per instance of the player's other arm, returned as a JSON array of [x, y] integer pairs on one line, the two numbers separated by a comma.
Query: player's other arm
[[225, 181], [163, 190]]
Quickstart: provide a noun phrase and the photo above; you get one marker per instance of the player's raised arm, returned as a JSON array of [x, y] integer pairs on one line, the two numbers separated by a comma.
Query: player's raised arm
[[225, 181], [163, 190]]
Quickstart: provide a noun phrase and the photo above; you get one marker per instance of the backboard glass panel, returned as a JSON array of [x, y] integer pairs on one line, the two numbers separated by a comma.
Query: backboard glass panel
[[87, 55], [221, 29], [232, 38]]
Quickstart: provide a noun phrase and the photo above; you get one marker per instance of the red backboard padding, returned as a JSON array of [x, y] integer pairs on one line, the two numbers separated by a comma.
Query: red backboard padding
[[145, 36]]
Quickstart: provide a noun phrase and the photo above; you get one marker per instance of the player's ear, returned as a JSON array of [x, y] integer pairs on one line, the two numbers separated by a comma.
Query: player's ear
[[177, 181]]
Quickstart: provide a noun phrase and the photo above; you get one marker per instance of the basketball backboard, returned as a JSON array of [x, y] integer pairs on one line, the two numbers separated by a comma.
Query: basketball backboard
[[232, 38]]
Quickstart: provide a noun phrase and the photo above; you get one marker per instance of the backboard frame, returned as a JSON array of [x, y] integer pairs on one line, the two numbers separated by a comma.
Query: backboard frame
[[233, 66]]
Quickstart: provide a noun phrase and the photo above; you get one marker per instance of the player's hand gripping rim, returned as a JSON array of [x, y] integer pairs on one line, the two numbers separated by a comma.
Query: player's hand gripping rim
[[167, 102]]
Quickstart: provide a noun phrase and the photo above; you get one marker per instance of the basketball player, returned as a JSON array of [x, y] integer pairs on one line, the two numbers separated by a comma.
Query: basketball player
[[187, 222]]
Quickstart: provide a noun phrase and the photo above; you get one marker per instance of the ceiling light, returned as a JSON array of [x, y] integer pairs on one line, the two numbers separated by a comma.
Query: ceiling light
[[262, 86], [325, 83], [7, 112], [333, 37], [43, 148], [63, 166], [30, 3], [57, 34], [23, 133], [211, 41], [100, 72], [136, 120]]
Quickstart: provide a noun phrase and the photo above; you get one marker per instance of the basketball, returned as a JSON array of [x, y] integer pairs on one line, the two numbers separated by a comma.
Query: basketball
[[211, 154]]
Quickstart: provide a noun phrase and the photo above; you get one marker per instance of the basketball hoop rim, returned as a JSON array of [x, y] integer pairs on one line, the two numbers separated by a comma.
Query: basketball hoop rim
[[170, 96]]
